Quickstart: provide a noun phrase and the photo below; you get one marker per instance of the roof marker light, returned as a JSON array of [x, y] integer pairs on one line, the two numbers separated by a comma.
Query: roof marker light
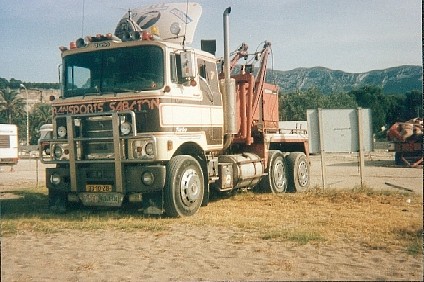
[[146, 35], [167, 89], [80, 43]]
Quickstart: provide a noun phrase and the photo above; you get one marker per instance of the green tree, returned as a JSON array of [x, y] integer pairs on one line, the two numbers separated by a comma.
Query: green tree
[[372, 97], [339, 101], [15, 83], [11, 106], [414, 104], [3, 83], [41, 114], [293, 106], [396, 109], [12, 110]]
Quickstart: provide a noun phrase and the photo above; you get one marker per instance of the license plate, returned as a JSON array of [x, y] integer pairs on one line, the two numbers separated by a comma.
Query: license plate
[[102, 199], [98, 188]]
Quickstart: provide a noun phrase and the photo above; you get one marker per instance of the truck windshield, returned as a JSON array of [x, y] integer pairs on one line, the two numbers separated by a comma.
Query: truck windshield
[[114, 71]]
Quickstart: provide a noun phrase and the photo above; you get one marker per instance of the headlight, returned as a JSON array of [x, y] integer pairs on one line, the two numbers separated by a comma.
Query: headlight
[[144, 149], [57, 151], [149, 149], [61, 131], [125, 128], [55, 179], [148, 178], [61, 152]]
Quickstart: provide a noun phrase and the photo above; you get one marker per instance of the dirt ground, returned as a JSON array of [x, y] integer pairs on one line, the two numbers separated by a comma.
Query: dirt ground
[[192, 253]]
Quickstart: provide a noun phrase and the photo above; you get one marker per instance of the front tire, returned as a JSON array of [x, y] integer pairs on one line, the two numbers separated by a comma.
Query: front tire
[[298, 172], [184, 188]]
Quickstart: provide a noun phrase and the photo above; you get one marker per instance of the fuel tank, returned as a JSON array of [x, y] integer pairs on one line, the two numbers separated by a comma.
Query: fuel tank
[[240, 171]]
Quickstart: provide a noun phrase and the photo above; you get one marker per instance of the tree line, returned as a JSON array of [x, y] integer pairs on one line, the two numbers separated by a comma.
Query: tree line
[[13, 108], [385, 109], [13, 111], [15, 84]]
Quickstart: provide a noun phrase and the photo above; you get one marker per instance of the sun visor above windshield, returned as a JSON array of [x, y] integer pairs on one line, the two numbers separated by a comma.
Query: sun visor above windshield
[[173, 22]]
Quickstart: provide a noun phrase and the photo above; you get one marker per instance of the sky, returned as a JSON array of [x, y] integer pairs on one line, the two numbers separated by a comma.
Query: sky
[[352, 36]]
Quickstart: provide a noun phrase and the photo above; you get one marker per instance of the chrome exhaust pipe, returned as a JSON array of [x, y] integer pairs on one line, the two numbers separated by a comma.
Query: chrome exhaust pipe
[[229, 87]]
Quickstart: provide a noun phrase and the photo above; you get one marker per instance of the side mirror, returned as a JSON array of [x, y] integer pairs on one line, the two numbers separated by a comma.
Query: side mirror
[[188, 65]]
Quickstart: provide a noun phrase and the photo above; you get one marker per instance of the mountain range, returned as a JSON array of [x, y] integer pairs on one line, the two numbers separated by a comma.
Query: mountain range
[[395, 80]]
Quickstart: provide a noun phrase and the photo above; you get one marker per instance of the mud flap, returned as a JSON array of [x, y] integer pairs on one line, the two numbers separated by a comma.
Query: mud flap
[[152, 203]]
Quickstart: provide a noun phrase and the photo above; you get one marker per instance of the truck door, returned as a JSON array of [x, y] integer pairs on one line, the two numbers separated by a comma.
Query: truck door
[[209, 85]]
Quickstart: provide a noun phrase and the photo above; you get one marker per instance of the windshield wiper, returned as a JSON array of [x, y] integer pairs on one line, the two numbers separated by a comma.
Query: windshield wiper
[[91, 94], [123, 90]]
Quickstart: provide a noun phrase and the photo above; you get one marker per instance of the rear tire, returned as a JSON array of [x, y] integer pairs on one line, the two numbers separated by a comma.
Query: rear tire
[[276, 179], [184, 188], [298, 170]]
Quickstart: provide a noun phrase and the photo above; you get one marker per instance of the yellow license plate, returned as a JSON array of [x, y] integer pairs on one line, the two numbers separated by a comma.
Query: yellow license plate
[[98, 188]]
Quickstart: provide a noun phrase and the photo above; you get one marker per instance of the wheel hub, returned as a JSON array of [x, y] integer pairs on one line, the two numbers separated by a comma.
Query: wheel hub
[[279, 176], [303, 174], [190, 186]]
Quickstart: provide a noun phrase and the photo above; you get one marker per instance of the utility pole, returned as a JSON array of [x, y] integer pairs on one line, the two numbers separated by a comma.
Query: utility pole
[[27, 114]]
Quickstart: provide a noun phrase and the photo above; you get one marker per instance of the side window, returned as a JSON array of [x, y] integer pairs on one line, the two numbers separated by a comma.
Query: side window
[[202, 69], [179, 68], [212, 76], [208, 79], [174, 71]]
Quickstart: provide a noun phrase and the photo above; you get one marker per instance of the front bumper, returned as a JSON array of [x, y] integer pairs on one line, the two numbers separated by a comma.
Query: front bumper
[[133, 178]]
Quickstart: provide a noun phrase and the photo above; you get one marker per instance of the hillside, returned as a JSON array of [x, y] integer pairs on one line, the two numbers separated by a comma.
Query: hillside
[[400, 79]]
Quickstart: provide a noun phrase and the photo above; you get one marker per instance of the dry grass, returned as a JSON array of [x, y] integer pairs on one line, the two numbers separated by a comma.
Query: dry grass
[[376, 220]]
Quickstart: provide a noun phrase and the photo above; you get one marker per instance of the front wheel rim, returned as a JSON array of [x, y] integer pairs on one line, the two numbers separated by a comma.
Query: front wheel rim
[[190, 187]]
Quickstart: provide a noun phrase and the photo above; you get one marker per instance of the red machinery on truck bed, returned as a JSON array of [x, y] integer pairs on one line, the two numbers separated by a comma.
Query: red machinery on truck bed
[[144, 118]]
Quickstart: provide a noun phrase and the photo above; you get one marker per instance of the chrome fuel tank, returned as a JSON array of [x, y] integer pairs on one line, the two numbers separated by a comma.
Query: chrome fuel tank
[[247, 169]]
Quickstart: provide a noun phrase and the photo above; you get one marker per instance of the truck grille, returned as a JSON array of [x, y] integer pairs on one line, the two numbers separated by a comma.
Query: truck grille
[[99, 150], [97, 127], [93, 134]]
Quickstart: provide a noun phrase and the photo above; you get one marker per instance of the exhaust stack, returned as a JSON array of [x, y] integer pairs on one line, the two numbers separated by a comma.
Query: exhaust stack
[[229, 86]]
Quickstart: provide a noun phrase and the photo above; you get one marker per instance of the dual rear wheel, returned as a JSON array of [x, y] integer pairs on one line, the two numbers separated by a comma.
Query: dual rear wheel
[[286, 173]]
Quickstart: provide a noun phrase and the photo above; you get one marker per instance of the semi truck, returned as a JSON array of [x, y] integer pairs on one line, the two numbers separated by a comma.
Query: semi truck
[[9, 153], [144, 118]]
